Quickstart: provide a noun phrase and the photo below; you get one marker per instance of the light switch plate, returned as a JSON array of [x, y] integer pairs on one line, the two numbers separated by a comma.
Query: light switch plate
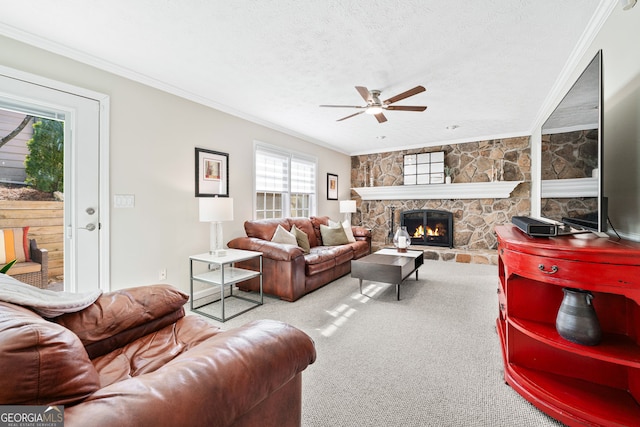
[[124, 201]]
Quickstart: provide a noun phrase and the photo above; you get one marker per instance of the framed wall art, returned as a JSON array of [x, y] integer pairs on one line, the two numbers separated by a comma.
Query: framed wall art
[[332, 186], [212, 173]]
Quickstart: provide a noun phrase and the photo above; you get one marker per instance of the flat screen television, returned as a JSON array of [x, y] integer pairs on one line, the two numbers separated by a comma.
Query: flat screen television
[[571, 156]]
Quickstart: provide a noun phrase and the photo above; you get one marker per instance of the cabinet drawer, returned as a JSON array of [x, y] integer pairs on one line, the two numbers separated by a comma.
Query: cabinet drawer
[[586, 275]]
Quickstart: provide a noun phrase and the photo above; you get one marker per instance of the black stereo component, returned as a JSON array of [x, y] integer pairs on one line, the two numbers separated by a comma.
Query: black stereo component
[[535, 227]]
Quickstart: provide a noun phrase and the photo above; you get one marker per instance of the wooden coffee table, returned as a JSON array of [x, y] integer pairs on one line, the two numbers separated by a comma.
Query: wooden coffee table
[[387, 266]]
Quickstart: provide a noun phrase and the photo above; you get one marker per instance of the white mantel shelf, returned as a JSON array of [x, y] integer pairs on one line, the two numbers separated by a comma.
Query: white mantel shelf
[[575, 187], [471, 190]]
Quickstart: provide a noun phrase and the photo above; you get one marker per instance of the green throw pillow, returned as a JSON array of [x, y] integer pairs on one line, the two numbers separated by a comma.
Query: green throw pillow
[[333, 236], [302, 238]]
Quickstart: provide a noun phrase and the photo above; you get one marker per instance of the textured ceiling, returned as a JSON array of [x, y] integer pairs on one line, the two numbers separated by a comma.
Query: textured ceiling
[[488, 65]]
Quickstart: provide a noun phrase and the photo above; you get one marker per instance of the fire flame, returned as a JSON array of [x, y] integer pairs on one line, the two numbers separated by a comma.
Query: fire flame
[[421, 232]]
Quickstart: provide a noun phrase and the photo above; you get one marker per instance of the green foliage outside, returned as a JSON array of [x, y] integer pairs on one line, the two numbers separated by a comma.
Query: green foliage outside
[[6, 268], [44, 164]]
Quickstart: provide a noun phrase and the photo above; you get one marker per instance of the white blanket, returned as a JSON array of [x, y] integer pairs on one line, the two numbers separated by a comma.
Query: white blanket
[[44, 302]]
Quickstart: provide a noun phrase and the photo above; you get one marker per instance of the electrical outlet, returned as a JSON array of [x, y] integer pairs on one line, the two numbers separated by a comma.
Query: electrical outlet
[[163, 274]]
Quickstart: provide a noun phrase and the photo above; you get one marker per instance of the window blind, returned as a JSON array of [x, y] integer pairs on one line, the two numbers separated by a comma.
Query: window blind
[[303, 176], [272, 171]]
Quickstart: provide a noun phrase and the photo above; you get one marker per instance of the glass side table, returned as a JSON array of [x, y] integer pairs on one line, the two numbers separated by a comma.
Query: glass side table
[[222, 272]]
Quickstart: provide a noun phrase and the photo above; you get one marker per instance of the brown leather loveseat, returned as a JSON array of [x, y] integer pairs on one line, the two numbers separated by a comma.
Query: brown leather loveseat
[[133, 359], [287, 271]]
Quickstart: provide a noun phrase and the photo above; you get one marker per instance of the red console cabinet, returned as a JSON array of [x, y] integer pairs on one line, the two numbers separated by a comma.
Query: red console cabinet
[[577, 384]]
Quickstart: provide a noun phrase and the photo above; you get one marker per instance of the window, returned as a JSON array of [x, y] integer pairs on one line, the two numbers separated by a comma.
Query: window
[[424, 168], [285, 183]]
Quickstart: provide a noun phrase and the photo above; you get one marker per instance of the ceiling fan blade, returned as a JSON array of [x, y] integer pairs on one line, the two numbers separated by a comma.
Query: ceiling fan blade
[[348, 117], [416, 90], [381, 118], [405, 108], [364, 93], [342, 106]]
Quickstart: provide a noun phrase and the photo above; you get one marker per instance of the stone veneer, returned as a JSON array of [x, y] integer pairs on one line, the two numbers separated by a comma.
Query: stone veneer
[[473, 219], [565, 156]]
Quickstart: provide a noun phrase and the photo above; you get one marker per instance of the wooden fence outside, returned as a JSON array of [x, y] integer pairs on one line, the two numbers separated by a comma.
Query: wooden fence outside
[[46, 225]]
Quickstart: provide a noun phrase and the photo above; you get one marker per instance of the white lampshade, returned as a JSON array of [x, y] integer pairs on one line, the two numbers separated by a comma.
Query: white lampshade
[[347, 206], [216, 209]]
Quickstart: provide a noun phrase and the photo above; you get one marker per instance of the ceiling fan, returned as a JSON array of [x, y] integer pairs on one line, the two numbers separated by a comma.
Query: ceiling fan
[[376, 107]]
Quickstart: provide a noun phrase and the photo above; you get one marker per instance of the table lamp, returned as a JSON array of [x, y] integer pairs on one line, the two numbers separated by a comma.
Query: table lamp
[[347, 207], [215, 210]]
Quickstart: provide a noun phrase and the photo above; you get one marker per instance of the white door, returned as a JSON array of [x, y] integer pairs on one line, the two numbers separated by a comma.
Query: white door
[[85, 254]]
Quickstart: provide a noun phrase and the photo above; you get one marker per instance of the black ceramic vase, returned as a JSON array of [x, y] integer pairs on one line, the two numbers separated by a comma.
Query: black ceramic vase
[[577, 320]]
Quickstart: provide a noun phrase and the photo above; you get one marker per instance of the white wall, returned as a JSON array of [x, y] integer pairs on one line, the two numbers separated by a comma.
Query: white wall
[[152, 140], [618, 39]]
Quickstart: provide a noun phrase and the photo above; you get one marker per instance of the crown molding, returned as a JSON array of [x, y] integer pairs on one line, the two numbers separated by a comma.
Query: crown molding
[[84, 58], [602, 13]]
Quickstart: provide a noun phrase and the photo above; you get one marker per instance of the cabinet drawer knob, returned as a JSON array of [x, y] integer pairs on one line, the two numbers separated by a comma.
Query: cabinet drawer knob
[[554, 269]]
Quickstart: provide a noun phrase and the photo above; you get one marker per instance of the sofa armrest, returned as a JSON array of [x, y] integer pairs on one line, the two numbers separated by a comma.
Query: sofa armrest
[[120, 317], [360, 231], [271, 250], [212, 384], [40, 256]]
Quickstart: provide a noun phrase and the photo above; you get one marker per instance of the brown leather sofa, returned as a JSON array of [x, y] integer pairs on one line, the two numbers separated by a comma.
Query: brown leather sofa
[[288, 272], [133, 359]]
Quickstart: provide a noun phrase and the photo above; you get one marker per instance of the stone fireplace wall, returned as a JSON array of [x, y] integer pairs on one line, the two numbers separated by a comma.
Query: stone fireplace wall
[[474, 219], [569, 155]]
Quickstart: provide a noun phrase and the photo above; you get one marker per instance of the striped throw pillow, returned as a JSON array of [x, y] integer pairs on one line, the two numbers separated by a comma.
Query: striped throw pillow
[[14, 244]]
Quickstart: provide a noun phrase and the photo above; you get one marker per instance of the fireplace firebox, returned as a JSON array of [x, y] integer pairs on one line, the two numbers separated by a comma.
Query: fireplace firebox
[[429, 227]]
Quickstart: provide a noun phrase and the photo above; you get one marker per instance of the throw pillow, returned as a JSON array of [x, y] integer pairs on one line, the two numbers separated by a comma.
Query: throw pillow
[[302, 239], [283, 236], [14, 244], [348, 231], [333, 236]]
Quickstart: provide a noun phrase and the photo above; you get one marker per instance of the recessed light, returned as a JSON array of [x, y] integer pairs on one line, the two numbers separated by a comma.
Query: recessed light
[[627, 4], [452, 127], [380, 137]]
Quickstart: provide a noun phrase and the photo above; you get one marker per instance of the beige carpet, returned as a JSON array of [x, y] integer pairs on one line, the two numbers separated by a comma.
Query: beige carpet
[[430, 359]]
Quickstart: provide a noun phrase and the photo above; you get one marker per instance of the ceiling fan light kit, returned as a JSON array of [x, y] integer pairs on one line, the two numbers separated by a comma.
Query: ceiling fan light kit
[[376, 107]]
